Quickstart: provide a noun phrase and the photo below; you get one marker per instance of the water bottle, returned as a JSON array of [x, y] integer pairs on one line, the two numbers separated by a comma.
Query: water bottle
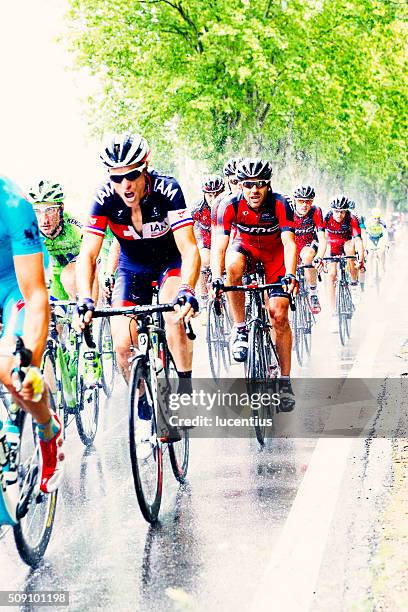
[[13, 440]]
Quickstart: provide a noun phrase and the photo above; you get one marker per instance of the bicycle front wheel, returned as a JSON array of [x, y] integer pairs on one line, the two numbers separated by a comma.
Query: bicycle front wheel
[[179, 453], [144, 444], [36, 511], [345, 311]]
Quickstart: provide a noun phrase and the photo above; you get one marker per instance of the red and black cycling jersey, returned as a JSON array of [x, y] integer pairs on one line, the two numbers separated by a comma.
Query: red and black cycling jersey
[[307, 226], [261, 227], [343, 230], [163, 212], [258, 231], [201, 214]]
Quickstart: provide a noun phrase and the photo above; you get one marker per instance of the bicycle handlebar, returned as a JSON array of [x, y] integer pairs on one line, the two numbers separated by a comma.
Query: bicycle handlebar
[[135, 311], [256, 287]]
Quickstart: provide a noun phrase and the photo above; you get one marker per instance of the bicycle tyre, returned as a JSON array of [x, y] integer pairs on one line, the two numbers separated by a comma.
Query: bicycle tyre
[[214, 341], [87, 417], [32, 552], [108, 364], [149, 504], [344, 315], [298, 325], [179, 453]]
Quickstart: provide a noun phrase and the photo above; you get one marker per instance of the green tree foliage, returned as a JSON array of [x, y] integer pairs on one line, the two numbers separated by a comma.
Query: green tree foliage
[[320, 81]]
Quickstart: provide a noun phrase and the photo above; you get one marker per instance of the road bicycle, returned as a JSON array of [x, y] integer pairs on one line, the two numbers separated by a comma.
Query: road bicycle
[[150, 384], [375, 265], [23, 506], [302, 318], [344, 301], [262, 364], [72, 373]]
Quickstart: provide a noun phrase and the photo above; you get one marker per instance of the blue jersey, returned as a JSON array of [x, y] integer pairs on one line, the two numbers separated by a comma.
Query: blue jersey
[[19, 234], [164, 211]]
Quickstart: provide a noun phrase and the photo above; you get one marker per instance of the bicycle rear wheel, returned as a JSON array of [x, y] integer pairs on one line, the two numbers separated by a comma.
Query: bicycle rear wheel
[[36, 511], [107, 356], [298, 331], [145, 449]]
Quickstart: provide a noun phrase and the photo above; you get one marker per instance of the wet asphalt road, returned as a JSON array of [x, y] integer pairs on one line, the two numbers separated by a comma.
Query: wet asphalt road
[[216, 533]]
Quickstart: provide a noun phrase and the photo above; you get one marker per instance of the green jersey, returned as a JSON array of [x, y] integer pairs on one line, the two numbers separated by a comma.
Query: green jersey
[[63, 249]]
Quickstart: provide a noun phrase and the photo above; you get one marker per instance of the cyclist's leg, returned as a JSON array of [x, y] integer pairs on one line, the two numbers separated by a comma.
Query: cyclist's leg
[[180, 346], [48, 424], [205, 263], [349, 249], [307, 254], [131, 288], [235, 265], [278, 313], [331, 286]]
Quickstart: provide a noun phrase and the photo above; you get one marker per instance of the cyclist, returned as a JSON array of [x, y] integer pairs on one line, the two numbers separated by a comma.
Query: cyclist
[[231, 184], [61, 235], [212, 186], [361, 221], [264, 226], [147, 214], [343, 238], [24, 302], [375, 227], [310, 238]]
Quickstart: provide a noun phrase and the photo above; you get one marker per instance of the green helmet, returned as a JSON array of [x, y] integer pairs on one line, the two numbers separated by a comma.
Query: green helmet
[[46, 191]]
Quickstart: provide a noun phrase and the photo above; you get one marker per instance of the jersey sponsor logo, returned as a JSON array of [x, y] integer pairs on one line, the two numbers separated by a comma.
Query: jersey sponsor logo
[[266, 216], [104, 192], [155, 229], [73, 221], [256, 229], [169, 191]]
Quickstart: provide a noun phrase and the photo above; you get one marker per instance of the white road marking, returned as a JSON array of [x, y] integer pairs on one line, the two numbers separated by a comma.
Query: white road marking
[[289, 580]]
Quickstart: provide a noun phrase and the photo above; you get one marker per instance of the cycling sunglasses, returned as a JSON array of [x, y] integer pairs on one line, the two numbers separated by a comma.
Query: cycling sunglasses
[[258, 184], [129, 176], [46, 210]]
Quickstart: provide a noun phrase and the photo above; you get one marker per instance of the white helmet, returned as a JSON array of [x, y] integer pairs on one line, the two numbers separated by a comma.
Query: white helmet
[[124, 150], [46, 191]]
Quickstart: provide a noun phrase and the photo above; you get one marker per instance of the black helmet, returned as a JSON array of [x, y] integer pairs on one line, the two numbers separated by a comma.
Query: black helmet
[[230, 166], [340, 203], [304, 192], [212, 184], [253, 168], [124, 150]]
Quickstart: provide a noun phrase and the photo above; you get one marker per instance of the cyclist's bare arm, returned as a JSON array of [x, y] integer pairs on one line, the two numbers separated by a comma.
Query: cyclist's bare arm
[[113, 258], [86, 271], [218, 251], [190, 255], [86, 264], [30, 276], [290, 252], [321, 249], [358, 245]]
